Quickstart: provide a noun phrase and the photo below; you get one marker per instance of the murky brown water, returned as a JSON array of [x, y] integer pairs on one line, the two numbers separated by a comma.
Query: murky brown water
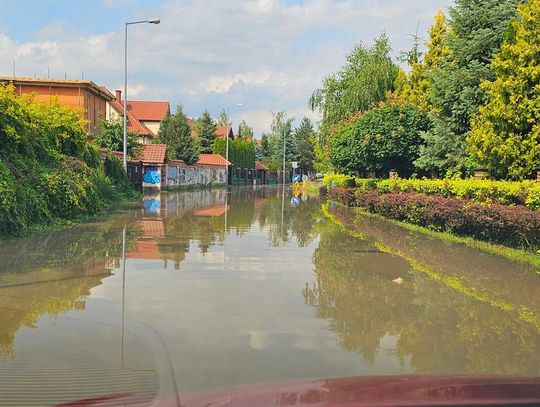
[[219, 291]]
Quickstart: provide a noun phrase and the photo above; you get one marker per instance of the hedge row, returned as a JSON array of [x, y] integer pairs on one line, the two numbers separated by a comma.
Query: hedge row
[[515, 226], [500, 192]]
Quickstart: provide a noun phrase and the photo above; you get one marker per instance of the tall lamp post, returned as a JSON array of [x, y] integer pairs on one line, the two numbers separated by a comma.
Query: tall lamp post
[[148, 21], [227, 141]]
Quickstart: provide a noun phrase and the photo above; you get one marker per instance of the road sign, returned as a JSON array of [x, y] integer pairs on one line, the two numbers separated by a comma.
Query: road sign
[[297, 178], [294, 164]]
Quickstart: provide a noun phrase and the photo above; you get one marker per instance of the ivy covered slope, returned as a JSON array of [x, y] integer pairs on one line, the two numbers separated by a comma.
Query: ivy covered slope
[[48, 170]]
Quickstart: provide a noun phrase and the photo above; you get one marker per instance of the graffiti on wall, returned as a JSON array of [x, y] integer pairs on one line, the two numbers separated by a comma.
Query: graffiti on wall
[[152, 175]]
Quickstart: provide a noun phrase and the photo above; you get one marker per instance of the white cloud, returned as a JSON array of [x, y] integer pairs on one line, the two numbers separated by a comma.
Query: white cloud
[[268, 54], [222, 84]]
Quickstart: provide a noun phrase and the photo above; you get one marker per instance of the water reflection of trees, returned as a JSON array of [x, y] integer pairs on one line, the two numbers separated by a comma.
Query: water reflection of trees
[[50, 273], [246, 207], [441, 329]]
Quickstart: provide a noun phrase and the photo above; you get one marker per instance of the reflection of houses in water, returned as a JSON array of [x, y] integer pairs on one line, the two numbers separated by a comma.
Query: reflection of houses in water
[[213, 211], [146, 247]]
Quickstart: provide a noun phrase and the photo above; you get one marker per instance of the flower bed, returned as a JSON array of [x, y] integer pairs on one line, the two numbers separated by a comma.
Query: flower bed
[[515, 226]]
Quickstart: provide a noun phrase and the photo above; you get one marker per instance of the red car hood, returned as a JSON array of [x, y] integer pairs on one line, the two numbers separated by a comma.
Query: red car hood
[[356, 391]]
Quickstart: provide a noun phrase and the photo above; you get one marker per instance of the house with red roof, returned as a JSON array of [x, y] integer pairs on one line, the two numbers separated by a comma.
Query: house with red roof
[[143, 117]]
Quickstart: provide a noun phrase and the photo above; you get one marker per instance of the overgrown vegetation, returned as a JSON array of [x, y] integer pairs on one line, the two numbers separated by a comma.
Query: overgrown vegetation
[[48, 170]]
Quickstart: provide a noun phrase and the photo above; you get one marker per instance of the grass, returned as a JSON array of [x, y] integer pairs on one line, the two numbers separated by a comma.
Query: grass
[[517, 255]]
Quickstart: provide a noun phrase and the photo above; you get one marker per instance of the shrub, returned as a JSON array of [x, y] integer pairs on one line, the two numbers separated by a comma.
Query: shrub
[[346, 196], [482, 191], [507, 225], [339, 181]]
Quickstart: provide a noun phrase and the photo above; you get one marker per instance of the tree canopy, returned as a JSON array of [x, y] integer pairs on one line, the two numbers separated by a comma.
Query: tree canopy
[[176, 133], [205, 127], [505, 135]]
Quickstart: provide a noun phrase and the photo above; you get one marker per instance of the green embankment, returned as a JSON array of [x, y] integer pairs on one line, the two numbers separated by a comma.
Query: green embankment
[[49, 173]]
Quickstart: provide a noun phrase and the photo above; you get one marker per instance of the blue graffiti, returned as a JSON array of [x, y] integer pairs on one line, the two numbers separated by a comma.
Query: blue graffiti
[[152, 175], [152, 206]]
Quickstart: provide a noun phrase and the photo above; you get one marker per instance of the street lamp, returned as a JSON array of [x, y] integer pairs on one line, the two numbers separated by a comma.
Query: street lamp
[[227, 142], [148, 21]]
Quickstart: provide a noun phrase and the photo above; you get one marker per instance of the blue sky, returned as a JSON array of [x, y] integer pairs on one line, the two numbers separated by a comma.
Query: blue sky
[[267, 54]]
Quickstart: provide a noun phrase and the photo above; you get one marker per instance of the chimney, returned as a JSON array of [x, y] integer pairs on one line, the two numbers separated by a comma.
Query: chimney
[[118, 95]]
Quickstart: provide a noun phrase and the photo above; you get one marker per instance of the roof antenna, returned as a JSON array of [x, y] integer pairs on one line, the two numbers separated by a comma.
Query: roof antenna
[[48, 72], [65, 75], [82, 75]]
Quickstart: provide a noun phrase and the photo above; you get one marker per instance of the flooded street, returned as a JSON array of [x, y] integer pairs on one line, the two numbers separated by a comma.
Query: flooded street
[[196, 290]]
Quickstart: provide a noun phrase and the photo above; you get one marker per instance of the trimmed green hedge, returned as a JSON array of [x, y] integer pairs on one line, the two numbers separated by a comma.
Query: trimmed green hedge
[[485, 191]]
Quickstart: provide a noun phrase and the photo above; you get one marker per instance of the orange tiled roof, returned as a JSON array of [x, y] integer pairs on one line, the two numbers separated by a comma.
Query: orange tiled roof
[[133, 123], [212, 160], [154, 153], [221, 131], [260, 166], [148, 111]]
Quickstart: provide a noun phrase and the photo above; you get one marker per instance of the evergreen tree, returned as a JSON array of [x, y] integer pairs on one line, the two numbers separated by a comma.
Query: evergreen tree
[[206, 132], [244, 131], [282, 130], [304, 136], [223, 119], [475, 34], [414, 88], [175, 132], [505, 135]]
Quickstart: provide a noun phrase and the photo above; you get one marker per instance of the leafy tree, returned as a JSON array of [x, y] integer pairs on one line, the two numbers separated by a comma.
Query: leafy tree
[[176, 133], [303, 137], [111, 136], [505, 135], [475, 34], [366, 79], [384, 138], [244, 131], [205, 128]]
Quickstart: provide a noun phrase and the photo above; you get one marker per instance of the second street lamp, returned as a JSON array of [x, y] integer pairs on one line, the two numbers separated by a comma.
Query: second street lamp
[[148, 21]]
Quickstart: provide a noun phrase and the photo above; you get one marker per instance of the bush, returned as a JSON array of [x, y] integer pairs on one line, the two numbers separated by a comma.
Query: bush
[[339, 181], [384, 138], [482, 191], [346, 196], [515, 226]]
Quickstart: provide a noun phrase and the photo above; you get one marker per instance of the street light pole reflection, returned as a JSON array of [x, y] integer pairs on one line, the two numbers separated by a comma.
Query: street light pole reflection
[[123, 288]]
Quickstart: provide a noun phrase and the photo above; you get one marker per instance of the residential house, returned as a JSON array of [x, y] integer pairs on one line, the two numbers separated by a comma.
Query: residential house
[[143, 117], [80, 95]]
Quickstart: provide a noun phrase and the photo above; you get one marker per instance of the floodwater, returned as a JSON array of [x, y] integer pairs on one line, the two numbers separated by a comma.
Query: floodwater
[[197, 290]]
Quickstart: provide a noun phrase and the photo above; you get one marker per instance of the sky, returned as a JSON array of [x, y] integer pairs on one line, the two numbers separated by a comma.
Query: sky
[[269, 55]]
